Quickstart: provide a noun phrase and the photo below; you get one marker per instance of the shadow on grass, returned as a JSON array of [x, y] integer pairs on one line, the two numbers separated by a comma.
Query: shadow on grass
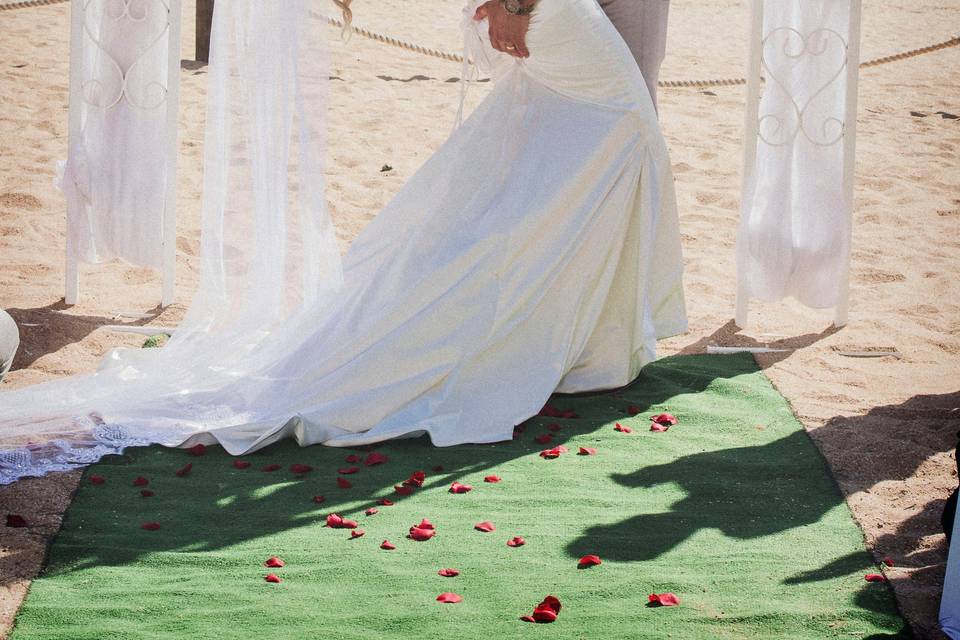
[[737, 491], [248, 504]]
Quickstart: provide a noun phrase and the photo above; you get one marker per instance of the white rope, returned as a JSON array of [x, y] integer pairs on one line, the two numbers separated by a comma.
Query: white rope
[[456, 57], [712, 82]]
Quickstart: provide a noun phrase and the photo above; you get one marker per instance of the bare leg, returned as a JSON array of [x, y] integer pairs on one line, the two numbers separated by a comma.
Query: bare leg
[[643, 26]]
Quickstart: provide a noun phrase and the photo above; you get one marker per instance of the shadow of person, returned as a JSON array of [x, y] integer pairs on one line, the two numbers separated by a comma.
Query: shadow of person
[[738, 491]]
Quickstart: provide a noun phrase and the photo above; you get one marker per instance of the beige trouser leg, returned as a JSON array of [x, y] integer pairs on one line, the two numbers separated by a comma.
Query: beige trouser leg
[[643, 25]]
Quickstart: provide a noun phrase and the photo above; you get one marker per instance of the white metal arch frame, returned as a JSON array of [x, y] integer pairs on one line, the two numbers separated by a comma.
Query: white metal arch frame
[[87, 92]]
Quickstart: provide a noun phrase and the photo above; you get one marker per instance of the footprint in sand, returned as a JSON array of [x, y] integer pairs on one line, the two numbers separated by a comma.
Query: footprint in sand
[[875, 276], [17, 200], [704, 197]]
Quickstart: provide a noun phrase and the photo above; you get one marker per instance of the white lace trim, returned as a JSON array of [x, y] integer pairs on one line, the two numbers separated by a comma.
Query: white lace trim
[[101, 439]]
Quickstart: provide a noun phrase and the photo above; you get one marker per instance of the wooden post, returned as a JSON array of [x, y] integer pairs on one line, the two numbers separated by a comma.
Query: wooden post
[[204, 24]]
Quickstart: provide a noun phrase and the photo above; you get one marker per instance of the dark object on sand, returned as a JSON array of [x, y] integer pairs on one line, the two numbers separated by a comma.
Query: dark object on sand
[[9, 341], [950, 508]]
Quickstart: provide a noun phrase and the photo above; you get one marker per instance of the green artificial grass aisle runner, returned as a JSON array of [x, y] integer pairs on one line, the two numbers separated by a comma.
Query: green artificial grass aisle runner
[[732, 510]]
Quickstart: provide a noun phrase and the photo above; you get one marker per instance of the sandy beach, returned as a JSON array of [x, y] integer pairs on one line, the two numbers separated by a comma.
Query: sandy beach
[[886, 425]]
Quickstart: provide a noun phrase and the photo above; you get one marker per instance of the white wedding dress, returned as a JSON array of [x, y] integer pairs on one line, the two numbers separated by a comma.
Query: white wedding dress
[[536, 251]]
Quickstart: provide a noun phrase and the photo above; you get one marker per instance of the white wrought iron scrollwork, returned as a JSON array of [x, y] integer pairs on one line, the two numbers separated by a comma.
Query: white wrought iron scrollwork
[[782, 129], [148, 96]]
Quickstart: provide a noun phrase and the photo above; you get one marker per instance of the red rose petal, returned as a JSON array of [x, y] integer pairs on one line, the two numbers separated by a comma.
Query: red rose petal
[[198, 449], [448, 573], [486, 526], [554, 427], [383, 502], [140, 481], [587, 451], [350, 524], [426, 524], [319, 499], [150, 526], [334, 521], [416, 479], [15, 521], [544, 615], [273, 562], [241, 464], [449, 598], [545, 612], [348, 470], [402, 490], [544, 438], [875, 577], [272, 577], [371, 511], [516, 541], [146, 493], [300, 469], [99, 479], [659, 428], [492, 478], [549, 411], [569, 413], [456, 487], [375, 459], [634, 410], [665, 419], [357, 533], [419, 534], [352, 458], [438, 468], [343, 483], [663, 599], [622, 429], [589, 561], [888, 561], [550, 602], [184, 470], [271, 467], [549, 454], [387, 545]]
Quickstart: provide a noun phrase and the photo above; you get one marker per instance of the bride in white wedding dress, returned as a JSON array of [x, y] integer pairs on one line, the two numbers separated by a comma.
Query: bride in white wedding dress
[[537, 251]]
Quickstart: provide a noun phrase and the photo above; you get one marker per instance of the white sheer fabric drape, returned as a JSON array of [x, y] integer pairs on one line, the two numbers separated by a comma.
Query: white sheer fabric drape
[[114, 179], [794, 235], [268, 245]]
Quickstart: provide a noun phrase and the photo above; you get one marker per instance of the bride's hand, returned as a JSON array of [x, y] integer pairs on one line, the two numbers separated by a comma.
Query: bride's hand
[[508, 32]]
